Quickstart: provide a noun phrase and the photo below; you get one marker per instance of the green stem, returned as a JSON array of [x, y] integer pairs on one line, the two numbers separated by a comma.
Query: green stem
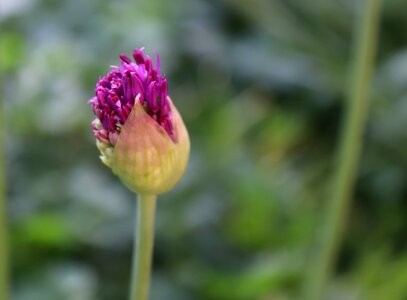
[[3, 220], [349, 152], [143, 247]]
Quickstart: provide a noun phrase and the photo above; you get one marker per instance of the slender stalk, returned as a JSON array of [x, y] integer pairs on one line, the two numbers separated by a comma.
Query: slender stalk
[[143, 247], [3, 220], [349, 152]]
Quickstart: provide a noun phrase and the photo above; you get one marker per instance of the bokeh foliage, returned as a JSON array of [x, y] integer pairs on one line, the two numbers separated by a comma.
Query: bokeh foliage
[[260, 85]]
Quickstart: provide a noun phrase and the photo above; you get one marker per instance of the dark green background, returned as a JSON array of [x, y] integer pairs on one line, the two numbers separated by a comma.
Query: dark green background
[[260, 85]]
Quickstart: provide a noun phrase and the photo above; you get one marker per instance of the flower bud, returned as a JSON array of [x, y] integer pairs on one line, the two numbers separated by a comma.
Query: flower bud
[[138, 130]]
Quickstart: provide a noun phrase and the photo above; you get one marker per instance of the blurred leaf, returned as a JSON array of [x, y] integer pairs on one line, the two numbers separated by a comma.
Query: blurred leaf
[[266, 277], [253, 221], [48, 230], [12, 48]]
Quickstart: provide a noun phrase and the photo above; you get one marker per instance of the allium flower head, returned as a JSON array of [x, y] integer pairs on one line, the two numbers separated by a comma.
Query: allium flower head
[[138, 130]]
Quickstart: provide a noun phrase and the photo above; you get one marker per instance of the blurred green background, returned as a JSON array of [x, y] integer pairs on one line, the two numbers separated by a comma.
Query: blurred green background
[[260, 85]]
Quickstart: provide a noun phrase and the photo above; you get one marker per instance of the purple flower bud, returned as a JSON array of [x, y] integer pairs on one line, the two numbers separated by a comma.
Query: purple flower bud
[[138, 130]]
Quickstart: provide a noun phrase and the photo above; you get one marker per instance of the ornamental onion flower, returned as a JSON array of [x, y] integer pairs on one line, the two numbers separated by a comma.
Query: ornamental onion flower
[[138, 130], [142, 138]]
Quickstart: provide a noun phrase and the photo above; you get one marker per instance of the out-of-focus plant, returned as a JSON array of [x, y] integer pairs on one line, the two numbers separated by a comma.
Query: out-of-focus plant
[[142, 138], [3, 213], [349, 152]]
